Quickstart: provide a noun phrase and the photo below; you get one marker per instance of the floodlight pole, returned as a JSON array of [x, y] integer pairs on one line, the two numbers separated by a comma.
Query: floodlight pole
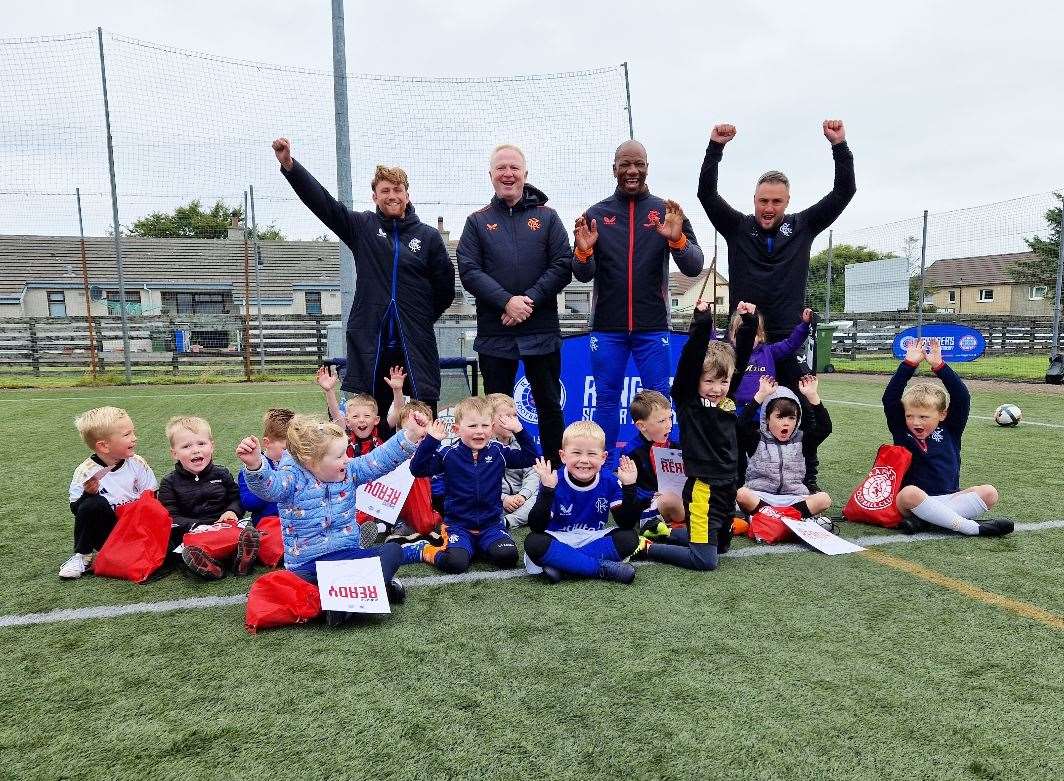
[[343, 156], [1060, 278], [114, 213], [258, 285], [831, 257], [85, 286], [628, 101], [920, 296]]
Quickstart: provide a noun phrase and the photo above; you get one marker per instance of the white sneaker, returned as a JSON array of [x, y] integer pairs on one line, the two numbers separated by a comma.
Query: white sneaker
[[74, 568]]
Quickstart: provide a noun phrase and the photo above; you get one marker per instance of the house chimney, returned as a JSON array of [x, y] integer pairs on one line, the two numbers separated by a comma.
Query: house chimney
[[236, 232], [439, 226]]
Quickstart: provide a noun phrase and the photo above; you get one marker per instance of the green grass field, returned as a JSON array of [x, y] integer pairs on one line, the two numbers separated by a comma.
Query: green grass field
[[788, 666], [1030, 367]]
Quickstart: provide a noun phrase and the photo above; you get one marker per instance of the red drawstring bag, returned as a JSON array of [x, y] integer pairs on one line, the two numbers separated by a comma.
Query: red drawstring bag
[[418, 511], [271, 546], [281, 598], [138, 544], [218, 540], [873, 500], [767, 526]]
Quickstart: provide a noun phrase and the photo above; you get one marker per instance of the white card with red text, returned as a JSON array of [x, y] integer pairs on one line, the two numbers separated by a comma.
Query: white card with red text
[[353, 586], [384, 498], [668, 466]]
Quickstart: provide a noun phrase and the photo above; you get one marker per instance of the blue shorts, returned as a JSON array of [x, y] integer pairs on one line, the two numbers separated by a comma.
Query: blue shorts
[[478, 540]]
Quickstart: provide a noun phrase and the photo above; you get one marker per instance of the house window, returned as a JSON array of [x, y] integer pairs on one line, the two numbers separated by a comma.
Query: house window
[[56, 303], [313, 298], [986, 294], [719, 301], [114, 302], [182, 303], [675, 303], [951, 296], [1038, 292]]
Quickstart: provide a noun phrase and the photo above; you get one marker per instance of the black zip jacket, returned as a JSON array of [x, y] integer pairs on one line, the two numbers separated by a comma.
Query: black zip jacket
[[771, 269], [708, 434], [195, 500], [404, 282], [520, 250], [630, 263], [646, 481]]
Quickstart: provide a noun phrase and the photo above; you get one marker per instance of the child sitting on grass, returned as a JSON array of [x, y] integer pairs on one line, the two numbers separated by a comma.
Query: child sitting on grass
[[929, 421], [199, 493], [315, 494], [113, 475], [569, 523], [274, 441], [777, 449], [472, 470], [663, 517], [520, 485], [707, 377]]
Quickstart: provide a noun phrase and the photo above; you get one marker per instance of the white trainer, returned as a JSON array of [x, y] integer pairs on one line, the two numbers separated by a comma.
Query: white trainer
[[74, 567]]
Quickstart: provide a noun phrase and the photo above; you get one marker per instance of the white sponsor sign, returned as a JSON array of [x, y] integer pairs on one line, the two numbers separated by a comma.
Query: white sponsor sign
[[384, 498], [820, 538], [668, 466], [353, 586]]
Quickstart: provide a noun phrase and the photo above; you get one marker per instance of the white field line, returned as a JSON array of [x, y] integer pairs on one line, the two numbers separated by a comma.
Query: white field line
[[976, 417], [198, 603]]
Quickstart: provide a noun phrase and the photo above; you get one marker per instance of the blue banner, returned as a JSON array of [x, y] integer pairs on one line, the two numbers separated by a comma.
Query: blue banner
[[579, 396], [959, 342]]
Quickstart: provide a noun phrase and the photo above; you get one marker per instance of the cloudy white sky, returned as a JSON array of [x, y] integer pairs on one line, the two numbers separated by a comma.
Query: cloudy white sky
[[947, 104]]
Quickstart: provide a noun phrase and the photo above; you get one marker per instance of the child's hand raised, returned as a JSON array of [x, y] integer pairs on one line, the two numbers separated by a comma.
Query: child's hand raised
[[548, 478], [249, 453], [228, 517], [809, 386], [807, 315], [934, 356], [395, 379], [509, 421], [915, 354], [701, 306], [626, 471], [438, 430], [766, 387], [416, 426], [327, 378], [745, 308]]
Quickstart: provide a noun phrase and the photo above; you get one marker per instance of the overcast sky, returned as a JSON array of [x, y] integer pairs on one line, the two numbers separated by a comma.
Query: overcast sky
[[946, 105]]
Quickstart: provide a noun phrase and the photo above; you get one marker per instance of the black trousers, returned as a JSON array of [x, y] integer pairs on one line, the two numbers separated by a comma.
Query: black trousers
[[788, 372], [383, 394], [94, 519], [544, 374]]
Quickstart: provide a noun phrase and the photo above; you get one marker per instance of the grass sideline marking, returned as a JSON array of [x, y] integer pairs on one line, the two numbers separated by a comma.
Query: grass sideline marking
[[196, 603], [970, 590], [976, 417]]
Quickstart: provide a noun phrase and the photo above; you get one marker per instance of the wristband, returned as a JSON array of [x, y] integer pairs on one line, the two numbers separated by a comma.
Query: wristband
[[582, 256], [680, 244]]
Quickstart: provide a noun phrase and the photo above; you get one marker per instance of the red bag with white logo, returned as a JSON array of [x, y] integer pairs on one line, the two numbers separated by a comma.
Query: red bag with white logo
[[873, 500], [138, 544], [418, 511], [767, 526], [271, 546], [218, 540], [281, 598]]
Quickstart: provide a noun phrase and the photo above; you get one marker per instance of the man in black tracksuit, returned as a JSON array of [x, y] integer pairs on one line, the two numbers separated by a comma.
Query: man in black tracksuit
[[768, 251], [514, 257], [405, 281], [624, 243]]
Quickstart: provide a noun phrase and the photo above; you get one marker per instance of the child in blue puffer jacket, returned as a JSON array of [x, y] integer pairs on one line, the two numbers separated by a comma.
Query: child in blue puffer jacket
[[315, 493]]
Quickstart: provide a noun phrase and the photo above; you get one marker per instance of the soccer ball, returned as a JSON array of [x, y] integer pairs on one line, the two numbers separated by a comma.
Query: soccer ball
[[1007, 415]]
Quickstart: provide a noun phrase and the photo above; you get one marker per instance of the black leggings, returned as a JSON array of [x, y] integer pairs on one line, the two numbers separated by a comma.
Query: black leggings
[[94, 519]]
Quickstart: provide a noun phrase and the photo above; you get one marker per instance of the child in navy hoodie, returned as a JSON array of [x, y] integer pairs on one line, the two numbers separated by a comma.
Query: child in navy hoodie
[[929, 421], [472, 470]]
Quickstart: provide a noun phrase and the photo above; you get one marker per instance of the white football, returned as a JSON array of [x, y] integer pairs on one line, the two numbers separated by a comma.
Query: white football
[[1007, 415]]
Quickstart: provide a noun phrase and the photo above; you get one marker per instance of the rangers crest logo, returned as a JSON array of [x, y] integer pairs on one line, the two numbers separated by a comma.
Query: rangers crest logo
[[415, 245], [526, 404], [593, 343], [877, 491], [653, 219], [785, 229], [937, 435], [492, 226], [601, 504], [609, 219], [534, 223]]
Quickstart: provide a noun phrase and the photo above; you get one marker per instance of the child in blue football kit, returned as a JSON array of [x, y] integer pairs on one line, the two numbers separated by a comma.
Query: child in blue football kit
[[570, 531], [472, 470]]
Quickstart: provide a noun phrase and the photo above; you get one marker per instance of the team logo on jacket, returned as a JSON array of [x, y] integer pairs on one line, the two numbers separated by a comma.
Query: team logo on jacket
[[492, 226], [877, 491], [526, 405], [609, 219], [415, 245], [381, 233], [937, 435], [534, 223], [653, 219], [785, 229]]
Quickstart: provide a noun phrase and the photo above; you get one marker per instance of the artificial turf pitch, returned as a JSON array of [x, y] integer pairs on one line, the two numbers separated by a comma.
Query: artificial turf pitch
[[785, 666]]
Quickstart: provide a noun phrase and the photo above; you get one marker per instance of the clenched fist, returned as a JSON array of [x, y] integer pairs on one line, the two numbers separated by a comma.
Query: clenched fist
[[834, 131], [722, 134], [282, 147]]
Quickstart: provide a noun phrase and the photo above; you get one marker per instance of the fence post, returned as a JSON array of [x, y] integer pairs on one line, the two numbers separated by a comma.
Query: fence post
[[1060, 277], [920, 295], [35, 358], [853, 343], [827, 295]]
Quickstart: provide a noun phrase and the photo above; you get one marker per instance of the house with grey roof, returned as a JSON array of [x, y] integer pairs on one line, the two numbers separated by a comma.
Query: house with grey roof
[[983, 286]]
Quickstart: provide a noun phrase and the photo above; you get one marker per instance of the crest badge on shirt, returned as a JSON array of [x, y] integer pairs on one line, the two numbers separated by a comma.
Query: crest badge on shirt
[[415, 245], [786, 229]]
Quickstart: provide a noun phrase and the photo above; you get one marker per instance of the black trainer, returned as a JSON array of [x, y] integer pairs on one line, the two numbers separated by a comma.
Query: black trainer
[[396, 591], [403, 533], [617, 571], [552, 574], [995, 527], [724, 538], [911, 525]]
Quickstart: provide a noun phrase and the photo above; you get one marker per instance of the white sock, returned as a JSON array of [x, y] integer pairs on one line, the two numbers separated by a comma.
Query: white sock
[[967, 504], [941, 514]]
